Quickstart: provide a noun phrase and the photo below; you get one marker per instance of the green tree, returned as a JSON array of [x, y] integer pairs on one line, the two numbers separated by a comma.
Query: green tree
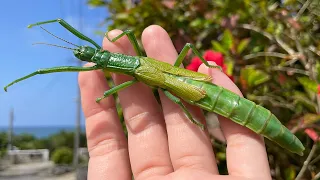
[[62, 155], [271, 47], [3, 143]]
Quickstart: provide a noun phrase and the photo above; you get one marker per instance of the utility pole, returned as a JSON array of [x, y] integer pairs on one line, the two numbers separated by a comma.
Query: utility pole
[[10, 129], [77, 129], [78, 108]]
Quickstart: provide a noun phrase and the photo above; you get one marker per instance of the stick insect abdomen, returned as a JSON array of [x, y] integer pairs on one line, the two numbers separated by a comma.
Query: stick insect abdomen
[[245, 113]]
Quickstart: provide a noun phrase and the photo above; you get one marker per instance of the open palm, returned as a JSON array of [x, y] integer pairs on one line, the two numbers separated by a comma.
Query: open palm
[[162, 143]]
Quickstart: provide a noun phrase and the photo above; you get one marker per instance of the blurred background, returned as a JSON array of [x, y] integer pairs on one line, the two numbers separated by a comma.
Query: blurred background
[[269, 48]]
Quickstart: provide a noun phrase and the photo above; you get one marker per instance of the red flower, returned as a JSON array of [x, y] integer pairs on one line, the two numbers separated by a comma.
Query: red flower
[[318, 89], [214, 56], [282, 78], [209, 56], [195, 64], [312, 134]]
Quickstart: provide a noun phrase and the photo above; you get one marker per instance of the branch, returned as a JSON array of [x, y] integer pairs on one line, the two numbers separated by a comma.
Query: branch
[[315, 160], [258, 30], [314, 50], [269, 36], [269, 54], [284, 45], [298, 126], [290, 62], [310, 9], [291, 70], [306, 163], [274, 102], [313, 75], [301, 126], [304, 7], [301, 51], [317, 176]]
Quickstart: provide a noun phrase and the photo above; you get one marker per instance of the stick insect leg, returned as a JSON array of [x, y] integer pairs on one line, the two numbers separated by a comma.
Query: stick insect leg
[[69, 28], [132, 38], [116, 89], [183, 107], [53, 70], [184, 52]]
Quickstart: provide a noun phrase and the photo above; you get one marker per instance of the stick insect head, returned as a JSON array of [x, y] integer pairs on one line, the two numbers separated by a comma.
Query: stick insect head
[[84, 53]]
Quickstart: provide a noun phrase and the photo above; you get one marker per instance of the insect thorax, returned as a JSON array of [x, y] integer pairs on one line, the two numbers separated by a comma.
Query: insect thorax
[[115, 62]]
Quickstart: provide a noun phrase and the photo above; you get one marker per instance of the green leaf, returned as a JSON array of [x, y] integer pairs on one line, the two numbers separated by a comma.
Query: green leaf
[[290, 173], [227, 39], [301, 98], [96, 3], [254, 77], [229, 65], [271, 27], [257, 49], [289, 2], [318, 70], [279, 29], [122, 16], [311, 118], [308, 84], [242, 45], [218, 47], [196, 23]]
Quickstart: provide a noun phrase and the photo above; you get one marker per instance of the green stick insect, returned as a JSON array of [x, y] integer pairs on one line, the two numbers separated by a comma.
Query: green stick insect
[[194, 88]]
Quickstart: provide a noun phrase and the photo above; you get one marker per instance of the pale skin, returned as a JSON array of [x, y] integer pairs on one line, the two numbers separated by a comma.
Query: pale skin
[[162, 143]]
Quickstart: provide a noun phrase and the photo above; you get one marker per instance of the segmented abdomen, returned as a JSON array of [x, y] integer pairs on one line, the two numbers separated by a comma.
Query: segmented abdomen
[[246, 113]]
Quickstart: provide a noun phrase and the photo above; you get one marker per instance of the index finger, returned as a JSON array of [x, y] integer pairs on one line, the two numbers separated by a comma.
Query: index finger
[[106, 141], [246, 152]]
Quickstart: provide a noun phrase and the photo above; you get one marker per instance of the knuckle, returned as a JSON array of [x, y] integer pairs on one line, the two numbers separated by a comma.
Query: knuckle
[[175, 109], [190, 162], [103, 141], [106, 147], [94, 111], [143, 120], [151, 168], [176, 116], [242, 141]]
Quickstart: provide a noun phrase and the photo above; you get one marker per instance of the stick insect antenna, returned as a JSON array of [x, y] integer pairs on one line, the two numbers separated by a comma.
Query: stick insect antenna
[[58, 37], [53, 45]]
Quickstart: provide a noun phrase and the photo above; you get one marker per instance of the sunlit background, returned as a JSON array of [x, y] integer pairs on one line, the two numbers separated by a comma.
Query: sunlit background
[[44, 100], [42, 114], [269, 48]]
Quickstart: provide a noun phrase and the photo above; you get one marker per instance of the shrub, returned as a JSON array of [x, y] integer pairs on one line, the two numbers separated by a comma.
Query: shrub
[[62, 155]]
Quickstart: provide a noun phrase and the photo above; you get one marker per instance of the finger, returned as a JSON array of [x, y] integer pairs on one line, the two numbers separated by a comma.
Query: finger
[[106, 141], [194, 174], [190, 147], [246, 152], [148, 146]]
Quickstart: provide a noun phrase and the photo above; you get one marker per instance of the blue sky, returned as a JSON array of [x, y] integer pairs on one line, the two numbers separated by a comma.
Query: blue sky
[[50, 99]]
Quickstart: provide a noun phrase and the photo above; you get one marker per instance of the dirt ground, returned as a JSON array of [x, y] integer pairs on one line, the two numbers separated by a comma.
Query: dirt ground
[[33, 171]]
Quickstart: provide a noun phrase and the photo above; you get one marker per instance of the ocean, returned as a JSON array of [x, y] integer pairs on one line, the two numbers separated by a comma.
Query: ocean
[[40, 131]]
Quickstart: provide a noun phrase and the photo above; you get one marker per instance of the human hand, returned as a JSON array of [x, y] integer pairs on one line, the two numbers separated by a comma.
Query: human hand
[[162, 143]]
